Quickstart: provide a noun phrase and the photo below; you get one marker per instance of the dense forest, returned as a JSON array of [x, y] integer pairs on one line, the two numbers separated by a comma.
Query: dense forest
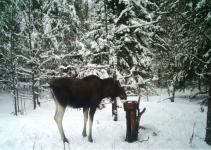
[[148, 44]]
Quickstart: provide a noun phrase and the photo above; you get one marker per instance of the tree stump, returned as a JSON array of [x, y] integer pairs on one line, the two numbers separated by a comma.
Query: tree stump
[[133, 116]]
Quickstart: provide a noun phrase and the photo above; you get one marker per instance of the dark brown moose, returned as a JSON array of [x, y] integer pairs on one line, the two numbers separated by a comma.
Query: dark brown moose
[[85, 93]]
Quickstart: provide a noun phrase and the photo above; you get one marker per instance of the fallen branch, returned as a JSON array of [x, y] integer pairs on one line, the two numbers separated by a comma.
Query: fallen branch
[[198, 93], [145, 140], [139, 116], [46, 101], [192, 136], [170, 98], [142, 127], [34, 145]]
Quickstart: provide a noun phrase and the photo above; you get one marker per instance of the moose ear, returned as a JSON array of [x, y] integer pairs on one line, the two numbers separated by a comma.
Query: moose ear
[[114, 76]]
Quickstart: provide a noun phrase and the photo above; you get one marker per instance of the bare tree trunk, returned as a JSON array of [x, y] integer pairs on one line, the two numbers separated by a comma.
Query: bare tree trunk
[[32, 55], [33, 92], [114, 110], [114, 104], [106, 23], [208, 128], [17, 96], [159, 78], [173, 91], [15, 104], [37, 95], [82, 8], [12, 62], [199, 84]]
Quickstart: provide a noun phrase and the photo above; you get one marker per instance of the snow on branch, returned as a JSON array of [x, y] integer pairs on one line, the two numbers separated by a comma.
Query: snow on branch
[[68, 66], [138, 25], [130, 74], [96, 66], [71, 55], [162, 40], [23, 57], [200, 60], [122, 13], [28, 71], [195, 26], [7, 81], [202, 74], [49, 59], [56, 29]]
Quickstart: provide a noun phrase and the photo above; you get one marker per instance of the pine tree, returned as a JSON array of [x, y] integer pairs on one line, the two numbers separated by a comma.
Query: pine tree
[[193, 38], [123, 37], [10, 48]]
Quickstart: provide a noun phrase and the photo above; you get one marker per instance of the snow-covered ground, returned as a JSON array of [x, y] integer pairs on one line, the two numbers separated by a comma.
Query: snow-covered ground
[[168, 126]]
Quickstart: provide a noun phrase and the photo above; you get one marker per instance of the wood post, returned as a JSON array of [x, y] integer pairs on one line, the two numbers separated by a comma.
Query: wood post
[[133, 116]]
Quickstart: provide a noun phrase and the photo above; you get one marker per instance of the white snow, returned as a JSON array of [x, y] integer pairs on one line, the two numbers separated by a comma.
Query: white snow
[[200, 4], [168, 126], [208, 17]]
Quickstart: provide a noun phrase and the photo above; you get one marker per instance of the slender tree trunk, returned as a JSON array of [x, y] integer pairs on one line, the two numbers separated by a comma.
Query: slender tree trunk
[[159, 78], [173, 91], [199, 84], [32, 55], [114, 104], [33, 92], [114, 110], [208, 128], [37, 95], [12, 63], [17, 99], [106, 24], [15, 104]]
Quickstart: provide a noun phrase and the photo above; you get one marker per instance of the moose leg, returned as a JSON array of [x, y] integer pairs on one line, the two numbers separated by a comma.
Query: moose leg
[[85, 112], [58, 118], [91, 117]]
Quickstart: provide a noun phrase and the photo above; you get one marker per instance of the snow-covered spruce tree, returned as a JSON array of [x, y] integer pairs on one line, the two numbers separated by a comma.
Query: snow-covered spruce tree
[[197, 16], [130, 31], [184, 43], [167, 48], [121, 38], [31, 47], [49, 47], [89, 44], [193, 40], [196, 38], [208, 127], [4, 37], [10, 28], [59, 40]]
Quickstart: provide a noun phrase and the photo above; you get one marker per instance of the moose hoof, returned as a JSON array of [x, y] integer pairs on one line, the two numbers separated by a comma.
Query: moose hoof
[[65, 140], [84, 134], [90, 139]]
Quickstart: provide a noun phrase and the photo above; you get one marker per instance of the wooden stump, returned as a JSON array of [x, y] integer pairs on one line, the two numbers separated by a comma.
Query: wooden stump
[[133, 116]]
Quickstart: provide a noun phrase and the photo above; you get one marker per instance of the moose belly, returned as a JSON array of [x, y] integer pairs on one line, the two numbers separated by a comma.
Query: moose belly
[[79, 101]]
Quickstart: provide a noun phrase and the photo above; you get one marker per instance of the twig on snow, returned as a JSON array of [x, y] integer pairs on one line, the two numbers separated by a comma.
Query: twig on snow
[[192, 136], [170, 98], [144, 140], [34, 145]]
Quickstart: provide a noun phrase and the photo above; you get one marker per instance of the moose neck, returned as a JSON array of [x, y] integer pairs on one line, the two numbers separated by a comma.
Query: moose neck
[[107, 87]]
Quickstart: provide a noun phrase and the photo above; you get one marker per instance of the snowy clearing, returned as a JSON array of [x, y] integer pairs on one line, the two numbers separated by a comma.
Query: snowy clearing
[[168, 126]]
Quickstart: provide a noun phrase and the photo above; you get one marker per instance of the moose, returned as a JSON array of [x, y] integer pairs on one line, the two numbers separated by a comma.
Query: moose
[[86, 93]]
